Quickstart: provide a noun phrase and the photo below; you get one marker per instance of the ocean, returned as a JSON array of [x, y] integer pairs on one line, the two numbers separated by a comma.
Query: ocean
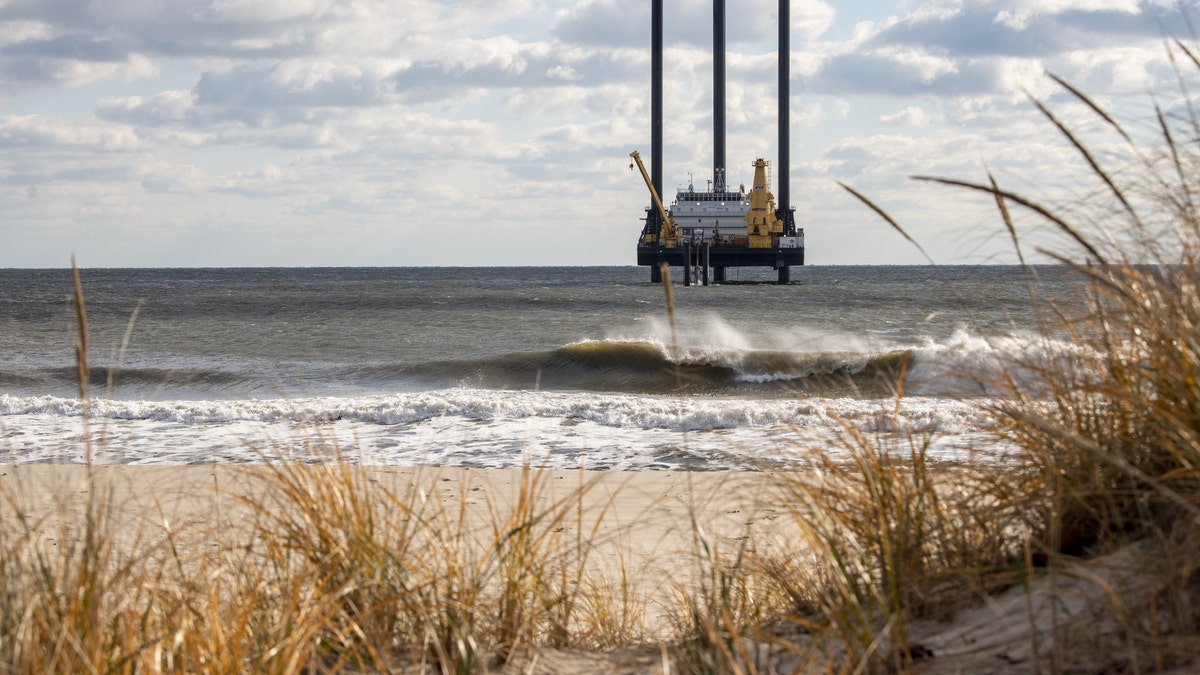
[[558, 367]]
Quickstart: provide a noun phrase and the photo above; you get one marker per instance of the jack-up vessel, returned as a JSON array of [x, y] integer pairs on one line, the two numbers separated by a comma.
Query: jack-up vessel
[[718, 228]]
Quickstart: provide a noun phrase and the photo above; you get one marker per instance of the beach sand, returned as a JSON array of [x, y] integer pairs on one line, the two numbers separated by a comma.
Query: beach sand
[[647, 525], [649, 514]]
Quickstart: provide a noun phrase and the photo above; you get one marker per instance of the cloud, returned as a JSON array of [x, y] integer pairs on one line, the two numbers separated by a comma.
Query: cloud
[[618, 23], [1031, 29], [563, 72], [19, 72], [67, 47], [900, 72], [308, 83], [812, 18], [167, 178], [166, 108], [912, 116], [969, 49], [608, 101], [1019, 16], [440, 74], [264, 182], [626, 23], [195, 27], [41, 132], [54, 42]]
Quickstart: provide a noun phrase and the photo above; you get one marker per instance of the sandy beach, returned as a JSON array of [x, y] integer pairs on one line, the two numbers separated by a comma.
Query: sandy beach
[[651, 511], [645, 524], [649, 528], [647, 531]]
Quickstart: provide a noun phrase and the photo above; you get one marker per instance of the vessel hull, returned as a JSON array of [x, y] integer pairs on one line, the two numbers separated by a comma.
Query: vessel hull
[[721, 256]]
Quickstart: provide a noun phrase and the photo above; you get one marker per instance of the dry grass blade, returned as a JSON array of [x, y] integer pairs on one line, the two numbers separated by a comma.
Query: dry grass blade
[[1189, 53], [1042, 210], [1006, 217], [1195, 121], [1116, 190], [886, 217], [1110, 439], [719, 617], [1101, 454], [82, 371], [1090, 103], [1188, 203], [888, 539], [669, 297], [324, 527]]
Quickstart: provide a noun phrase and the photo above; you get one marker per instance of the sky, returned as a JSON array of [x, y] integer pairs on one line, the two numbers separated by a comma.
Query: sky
[[198, 133]]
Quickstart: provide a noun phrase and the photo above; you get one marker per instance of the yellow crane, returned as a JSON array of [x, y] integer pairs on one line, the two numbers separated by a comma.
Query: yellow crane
[[669, 236], [763, 227]]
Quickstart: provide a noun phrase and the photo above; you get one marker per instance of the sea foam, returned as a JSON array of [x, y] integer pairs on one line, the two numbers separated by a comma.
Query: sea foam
[[479, 428]]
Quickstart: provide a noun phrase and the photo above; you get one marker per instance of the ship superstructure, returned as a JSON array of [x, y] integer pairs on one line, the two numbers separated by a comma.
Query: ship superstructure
[[719, 227], [700, 213]]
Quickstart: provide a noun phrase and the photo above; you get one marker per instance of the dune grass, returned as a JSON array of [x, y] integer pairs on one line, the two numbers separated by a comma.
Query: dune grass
[[332, 572], [1108, 439], [1107, 451]]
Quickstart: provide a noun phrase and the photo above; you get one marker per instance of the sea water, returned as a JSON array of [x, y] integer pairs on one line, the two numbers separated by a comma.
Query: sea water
[[561, 367]]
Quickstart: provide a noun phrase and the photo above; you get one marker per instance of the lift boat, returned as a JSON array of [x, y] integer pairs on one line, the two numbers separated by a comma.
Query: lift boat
[[718, 228]]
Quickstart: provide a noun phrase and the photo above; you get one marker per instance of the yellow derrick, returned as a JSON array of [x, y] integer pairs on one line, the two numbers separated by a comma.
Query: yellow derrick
[[669, 236], [762, 225]]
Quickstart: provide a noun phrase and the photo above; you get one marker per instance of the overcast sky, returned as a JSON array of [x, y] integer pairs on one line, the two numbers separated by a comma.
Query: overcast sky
[[155, 133]]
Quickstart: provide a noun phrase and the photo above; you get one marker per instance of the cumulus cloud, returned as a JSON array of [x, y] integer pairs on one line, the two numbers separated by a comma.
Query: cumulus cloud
[[626, 23], [165, 108], [291, 83], [168, 178], [563, 72], [604, 22], [1000, 46], [1019, 16], [912, 116], [898, 73], [43, 132], [25, 71], [1031, 28], [812, 18]]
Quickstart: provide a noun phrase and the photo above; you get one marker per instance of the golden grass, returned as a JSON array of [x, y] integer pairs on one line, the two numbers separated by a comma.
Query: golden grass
[[1109, 439]]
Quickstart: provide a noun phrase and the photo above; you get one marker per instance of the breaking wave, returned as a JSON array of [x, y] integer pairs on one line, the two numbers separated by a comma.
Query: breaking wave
[[964, 365], [651, 368]]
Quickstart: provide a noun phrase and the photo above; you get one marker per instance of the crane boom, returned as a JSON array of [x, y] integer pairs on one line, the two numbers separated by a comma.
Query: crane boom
[[669, 236]]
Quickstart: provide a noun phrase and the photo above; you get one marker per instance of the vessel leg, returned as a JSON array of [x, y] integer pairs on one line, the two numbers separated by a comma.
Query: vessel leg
[[655, 274], [707, 259], [718, 275], [785, 274], [687, 265]]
